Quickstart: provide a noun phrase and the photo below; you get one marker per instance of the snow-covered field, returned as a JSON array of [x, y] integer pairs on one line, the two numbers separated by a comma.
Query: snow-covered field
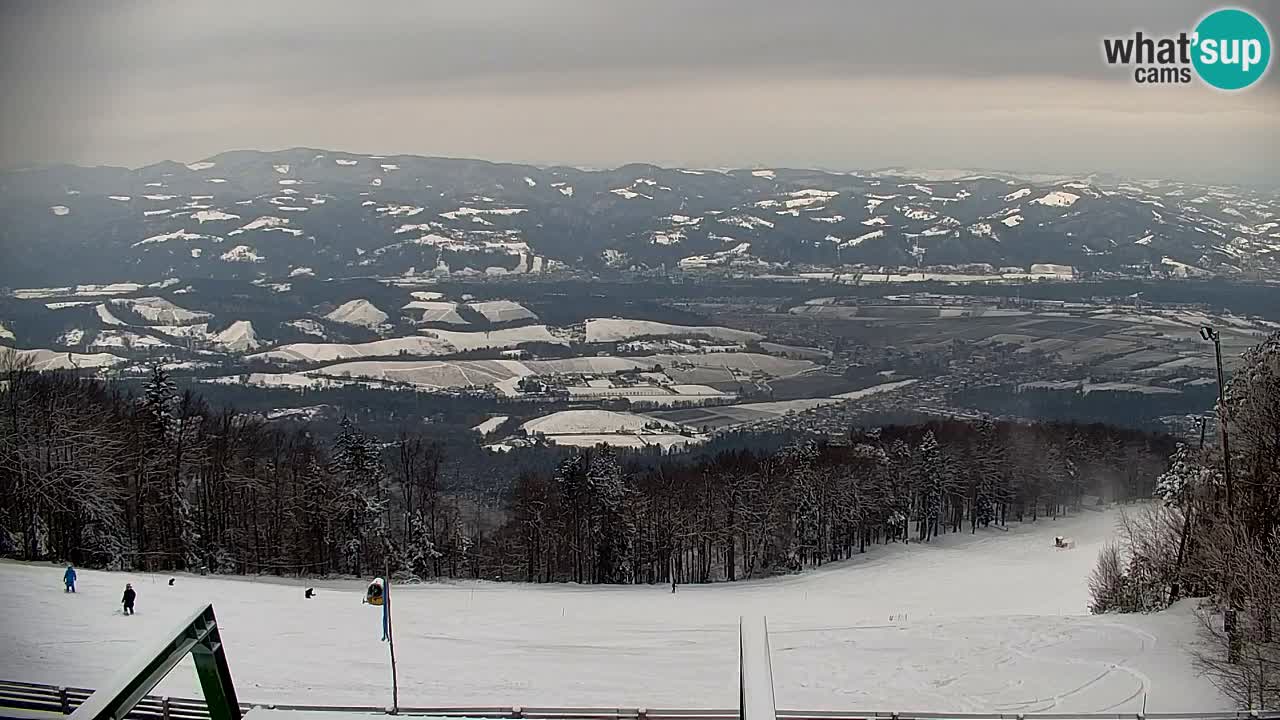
[[992, 622], [431, 342], [615, 330]]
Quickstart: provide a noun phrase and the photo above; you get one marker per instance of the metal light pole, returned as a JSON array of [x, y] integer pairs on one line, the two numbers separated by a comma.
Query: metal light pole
[[1228, 616], [1209, 333], [391, 643]]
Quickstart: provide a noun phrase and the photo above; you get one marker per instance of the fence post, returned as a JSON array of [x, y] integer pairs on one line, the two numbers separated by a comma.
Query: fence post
[[64, 701], [517, 711], [164, 707]]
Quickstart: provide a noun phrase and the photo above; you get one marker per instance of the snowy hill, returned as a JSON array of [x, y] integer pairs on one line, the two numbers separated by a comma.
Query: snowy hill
[[342, 214], [239, 337], [358, 312], [911, 628]]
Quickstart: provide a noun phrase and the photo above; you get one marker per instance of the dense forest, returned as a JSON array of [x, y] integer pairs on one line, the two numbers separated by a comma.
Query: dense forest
[[158, 480]]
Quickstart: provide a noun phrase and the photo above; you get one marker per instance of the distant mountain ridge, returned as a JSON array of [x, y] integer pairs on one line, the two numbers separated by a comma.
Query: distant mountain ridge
[[333, 214]]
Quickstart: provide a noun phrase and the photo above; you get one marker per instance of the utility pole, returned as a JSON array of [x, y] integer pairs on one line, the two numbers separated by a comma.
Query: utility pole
[[1229, 615], [1209, 333], [391, 642]]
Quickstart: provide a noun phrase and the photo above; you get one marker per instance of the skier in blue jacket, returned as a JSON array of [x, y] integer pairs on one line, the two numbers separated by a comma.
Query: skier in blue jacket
[[69, 579]]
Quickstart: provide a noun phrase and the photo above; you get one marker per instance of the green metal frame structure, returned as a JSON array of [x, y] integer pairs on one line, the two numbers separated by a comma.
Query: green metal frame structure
[[198, 636]]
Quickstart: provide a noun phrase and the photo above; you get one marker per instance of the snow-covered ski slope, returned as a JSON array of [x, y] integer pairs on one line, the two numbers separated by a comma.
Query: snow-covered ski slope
[[995, 622]]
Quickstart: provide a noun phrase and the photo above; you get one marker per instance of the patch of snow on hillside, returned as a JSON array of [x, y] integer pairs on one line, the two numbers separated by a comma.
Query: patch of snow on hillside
[[125, 339], [566, 190], [981, 229], [1018, 194], [1012, 220], [1052, 269], [282, 169], [287, 181], [749, 222], [863, 238], [302, 272], [198, 166], [874, 221], [667, 237], [1057, 198], [810, 192], [203, 216], [266, 221], [767, 174], [160, 311], [74, 336], [683, 220], [43, 359], [805, 201], [160, 196], [148, 213], [340, 161], [241, 253], [307, 326], [436, 311], [389, 167], [628, 194], [59, 209], [1181, 269], [619, 329], [429, 343], [120, 198], [468, 211], [1144, 240], [832, 219], [917, 213], [376, 182], [400, 211], [573, 422], [197, 252], [530, 181], [492, 424], [358, 312], [502, 310], [175, 235], [238, 337]]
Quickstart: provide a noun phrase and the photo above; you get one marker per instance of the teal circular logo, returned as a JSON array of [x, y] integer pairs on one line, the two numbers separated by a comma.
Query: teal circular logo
[[1232, 49]]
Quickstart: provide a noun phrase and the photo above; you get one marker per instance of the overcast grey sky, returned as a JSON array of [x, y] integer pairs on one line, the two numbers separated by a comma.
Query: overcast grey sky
[[1003, 84]]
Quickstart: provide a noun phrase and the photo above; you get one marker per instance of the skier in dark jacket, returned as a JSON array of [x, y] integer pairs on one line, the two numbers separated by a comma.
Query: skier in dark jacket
[[129, 595], [69, 579]]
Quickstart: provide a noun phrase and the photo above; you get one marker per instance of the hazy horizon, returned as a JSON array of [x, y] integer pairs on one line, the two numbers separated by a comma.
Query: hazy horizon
[[903, 170], [993, 85]]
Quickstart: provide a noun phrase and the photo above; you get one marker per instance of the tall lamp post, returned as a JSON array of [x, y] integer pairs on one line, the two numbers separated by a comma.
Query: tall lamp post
[[1229, 616], [1209, 333]]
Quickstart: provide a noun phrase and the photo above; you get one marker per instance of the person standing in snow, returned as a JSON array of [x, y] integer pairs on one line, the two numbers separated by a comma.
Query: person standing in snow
[[129, 595], [69, 579]]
